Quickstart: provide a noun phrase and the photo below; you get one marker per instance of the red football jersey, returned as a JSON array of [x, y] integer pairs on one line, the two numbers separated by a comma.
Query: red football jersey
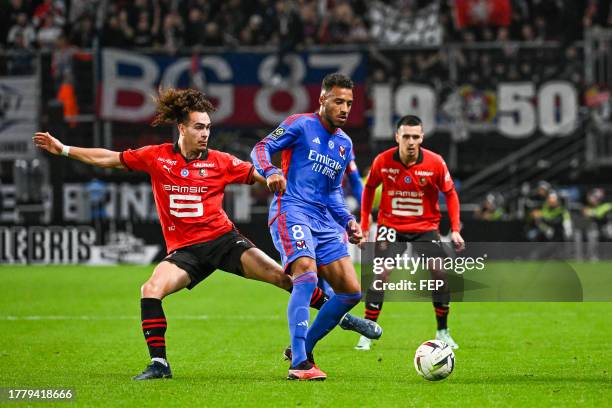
[[409, 200], [189, 194]]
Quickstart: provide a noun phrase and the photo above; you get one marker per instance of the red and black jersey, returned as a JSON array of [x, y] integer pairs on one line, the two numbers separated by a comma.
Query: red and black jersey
[[189, 193], [409, 201]]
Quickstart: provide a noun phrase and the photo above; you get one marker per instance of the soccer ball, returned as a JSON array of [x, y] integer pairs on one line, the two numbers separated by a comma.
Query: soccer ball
[[434, 360]]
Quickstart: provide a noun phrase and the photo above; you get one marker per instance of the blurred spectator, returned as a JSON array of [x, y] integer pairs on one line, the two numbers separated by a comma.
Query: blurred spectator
[[8, 17], [171, 34], [287, 35], [532, 199], [195, 27], [48, 33], [310, 23], [288, 31], [337, 27], [143, 34], [125, 27], [212, 35], [599, 213], [82, 8], [53, 8], [551, 222], [491, 209], [113, 34], [21, 35], [573, 68], [359, 32], [135, 9], [83, 32], [252, 33], [598, 14]]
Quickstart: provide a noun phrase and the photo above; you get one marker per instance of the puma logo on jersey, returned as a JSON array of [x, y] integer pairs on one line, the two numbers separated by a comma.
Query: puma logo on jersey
[[167, 168], [392, 178]]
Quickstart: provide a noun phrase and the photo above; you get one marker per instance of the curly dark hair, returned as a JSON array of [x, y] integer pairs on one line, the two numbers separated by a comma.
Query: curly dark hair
[[174, 105]]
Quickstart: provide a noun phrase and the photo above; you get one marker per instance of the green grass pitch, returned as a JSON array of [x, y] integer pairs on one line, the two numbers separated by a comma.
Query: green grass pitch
[[79, 327]]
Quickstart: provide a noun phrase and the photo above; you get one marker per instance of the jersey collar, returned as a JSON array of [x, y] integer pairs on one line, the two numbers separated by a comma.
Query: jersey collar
[[202, 156], [396, 157]]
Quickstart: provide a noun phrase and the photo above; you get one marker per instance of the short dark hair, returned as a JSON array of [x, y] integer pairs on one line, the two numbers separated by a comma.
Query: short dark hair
[[174, 105], [336, 79], [409, 120]]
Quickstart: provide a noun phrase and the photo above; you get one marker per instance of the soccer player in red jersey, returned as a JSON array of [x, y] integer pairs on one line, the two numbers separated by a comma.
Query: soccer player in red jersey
[[412, 178], [188, 181]]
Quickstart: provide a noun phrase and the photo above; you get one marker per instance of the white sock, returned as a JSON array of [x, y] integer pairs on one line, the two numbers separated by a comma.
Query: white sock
[[160, 360]]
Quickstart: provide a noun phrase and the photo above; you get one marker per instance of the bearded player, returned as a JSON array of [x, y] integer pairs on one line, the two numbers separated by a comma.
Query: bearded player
[[188, 181], [412, 178], [304, 212]]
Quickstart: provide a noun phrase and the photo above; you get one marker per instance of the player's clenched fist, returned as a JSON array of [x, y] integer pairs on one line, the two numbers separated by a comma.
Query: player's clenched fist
[[354, 232], [47, 142], [276, 183]]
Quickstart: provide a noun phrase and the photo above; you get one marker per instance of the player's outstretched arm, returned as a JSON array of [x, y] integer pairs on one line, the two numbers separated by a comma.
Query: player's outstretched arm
[[94, 156]]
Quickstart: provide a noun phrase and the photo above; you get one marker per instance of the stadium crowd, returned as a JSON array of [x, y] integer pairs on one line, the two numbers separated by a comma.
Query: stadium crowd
[[174, 24], [64, 26], [553, 213]]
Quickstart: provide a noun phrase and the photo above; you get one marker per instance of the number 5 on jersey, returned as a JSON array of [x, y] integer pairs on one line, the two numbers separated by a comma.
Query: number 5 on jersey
[[179, 208], [405, 206]]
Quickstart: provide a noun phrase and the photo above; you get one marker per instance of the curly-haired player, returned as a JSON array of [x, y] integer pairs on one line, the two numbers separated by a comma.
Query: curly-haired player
[[188, 181]]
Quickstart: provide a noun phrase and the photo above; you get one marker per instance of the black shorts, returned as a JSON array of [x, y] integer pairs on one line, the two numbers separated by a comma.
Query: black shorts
[[200, 260], [391, 242]]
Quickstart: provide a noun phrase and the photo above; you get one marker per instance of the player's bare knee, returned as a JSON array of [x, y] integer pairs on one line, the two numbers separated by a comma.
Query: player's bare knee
[[303, 265], [150, 289]]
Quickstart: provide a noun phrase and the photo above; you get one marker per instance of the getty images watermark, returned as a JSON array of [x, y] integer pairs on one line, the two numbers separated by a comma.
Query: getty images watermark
[[490, 271], [382, 265]]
